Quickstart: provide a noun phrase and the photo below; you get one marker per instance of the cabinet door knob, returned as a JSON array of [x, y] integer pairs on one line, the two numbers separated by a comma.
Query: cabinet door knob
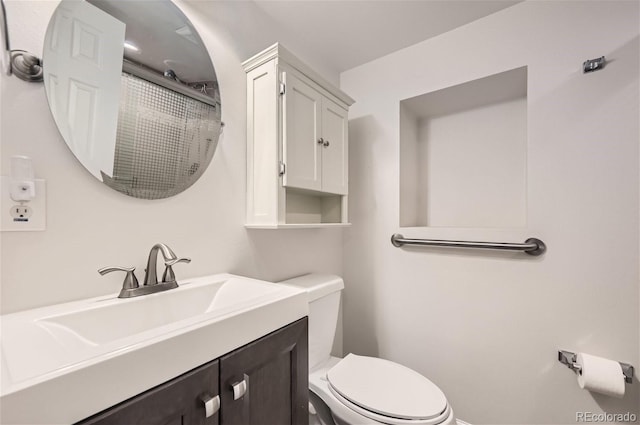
[[326, 143], [240, 388], [321, 141], [211, 404]]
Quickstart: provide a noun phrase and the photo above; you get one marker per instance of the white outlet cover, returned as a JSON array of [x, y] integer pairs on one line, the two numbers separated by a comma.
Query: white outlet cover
[[36, 221], [21, 212]]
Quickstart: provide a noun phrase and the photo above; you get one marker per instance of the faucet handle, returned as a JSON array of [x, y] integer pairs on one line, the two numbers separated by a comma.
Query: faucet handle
[[130, 280], [168, 275]]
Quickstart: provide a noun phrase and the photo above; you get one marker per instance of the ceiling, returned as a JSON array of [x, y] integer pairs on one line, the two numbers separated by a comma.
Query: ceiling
[[341, 34]]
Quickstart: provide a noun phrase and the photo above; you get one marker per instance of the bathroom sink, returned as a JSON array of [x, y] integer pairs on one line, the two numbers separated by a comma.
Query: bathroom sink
[[51, 355], [108, 320]]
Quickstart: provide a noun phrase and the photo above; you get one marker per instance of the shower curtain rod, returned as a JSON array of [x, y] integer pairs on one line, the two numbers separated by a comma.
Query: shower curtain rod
[[531, 246]]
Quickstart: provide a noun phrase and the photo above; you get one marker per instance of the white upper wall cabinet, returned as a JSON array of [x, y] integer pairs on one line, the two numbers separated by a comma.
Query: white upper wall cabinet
[[301, 141], [335, 154], [297, 144], [314, 140]]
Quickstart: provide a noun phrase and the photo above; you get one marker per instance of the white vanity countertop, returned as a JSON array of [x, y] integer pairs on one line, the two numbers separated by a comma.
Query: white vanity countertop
[[63, 363]]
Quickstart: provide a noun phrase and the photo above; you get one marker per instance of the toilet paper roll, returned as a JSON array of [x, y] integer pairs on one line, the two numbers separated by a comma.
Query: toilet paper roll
[[600, 375]]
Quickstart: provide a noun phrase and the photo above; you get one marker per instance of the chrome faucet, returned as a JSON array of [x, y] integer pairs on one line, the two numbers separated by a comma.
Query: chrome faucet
[[151, 276], [130, 287]]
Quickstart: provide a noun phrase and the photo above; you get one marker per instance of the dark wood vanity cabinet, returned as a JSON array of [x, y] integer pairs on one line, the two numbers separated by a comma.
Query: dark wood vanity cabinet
[[275, 373], [270, 377], [177, 402]]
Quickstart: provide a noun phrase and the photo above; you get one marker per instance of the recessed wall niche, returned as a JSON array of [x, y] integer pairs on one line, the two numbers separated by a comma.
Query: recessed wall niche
[[463, 154]]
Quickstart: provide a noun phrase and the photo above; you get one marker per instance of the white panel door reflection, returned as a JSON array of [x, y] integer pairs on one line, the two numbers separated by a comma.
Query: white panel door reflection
[[82, 76]]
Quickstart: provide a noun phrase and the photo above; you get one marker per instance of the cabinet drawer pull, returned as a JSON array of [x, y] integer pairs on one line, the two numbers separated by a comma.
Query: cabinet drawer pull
[[240, 388], [211, 404]]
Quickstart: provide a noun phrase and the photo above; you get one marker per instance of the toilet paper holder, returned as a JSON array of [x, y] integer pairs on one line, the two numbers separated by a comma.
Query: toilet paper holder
[[569, 359]]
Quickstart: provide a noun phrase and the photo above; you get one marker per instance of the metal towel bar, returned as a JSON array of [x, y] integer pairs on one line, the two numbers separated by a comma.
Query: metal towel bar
[[531, 246]]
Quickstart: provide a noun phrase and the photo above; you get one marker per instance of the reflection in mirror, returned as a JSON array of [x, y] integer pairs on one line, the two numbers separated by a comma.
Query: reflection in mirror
[[5, 59], [133, 92]]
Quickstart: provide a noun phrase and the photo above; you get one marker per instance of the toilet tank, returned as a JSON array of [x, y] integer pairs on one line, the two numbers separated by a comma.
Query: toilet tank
[[324, 303]]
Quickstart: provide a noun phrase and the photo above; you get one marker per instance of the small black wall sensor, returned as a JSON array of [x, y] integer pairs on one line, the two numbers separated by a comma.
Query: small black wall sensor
[[593, 64]]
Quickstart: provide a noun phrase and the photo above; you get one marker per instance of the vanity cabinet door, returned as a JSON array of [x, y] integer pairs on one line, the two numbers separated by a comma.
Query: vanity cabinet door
[[176, 402], [274, 373]]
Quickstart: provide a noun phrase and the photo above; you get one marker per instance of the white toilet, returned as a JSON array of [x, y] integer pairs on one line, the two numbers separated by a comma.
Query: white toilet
[[358, 390]]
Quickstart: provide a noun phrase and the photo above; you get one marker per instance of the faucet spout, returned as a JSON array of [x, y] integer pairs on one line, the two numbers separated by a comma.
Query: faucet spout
[[151, 276]]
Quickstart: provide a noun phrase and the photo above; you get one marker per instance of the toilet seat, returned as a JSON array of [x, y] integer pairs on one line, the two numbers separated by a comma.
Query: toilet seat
[[386, 392]]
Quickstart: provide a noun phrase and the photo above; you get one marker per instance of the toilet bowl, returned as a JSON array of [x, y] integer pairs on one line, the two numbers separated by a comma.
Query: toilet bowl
[[359, 390], [351, 401]]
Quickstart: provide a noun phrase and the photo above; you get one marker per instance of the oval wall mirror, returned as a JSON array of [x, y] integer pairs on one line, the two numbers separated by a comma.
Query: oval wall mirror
[[134, 93]]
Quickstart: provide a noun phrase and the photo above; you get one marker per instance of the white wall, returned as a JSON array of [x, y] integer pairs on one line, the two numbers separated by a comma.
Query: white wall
[[90, 226], [484, 326]]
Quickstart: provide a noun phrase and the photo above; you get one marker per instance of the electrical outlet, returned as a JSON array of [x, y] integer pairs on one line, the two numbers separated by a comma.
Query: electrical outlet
[[21, 212], [22, 216]]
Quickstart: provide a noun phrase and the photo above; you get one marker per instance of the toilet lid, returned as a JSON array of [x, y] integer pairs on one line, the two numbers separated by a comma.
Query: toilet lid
[[386, 388]]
